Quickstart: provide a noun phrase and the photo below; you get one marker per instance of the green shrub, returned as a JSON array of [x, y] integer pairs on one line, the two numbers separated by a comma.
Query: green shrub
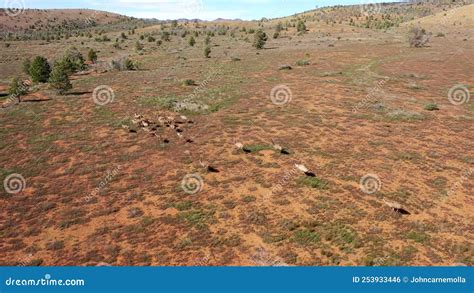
[[92, 56], [207, 41], [207, 52], [306, 237], [189, 82], [59, 78], [165, 36], [73, 61], [301, 27], [122, 64], [303, 62], [432, 107], [138, 46], [260, 38], [418, 37], [39, 69], [192, 41], [313, 182]]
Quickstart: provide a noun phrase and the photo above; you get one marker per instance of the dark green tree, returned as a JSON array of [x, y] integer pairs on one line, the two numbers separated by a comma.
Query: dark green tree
[[59, 78], [39, 69]]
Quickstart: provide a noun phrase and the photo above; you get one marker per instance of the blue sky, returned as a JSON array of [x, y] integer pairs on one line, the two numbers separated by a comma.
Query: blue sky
[[203, 9]]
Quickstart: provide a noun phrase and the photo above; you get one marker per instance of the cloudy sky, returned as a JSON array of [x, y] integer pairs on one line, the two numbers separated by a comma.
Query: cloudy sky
[[203, 9]]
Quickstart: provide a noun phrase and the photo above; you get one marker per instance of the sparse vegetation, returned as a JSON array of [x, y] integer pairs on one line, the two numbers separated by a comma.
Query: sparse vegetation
[[257, 155]]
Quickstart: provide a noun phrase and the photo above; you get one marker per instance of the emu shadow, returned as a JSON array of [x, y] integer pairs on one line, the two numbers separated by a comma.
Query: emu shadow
[[211, 169], [79, 93], [402, 211]]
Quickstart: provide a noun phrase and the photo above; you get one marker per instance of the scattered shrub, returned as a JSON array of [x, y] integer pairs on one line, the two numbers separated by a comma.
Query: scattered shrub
[[306, 237], [92, 56], [165, 36], [207, 52], [260, 38], [418, 37], [302, 62], [122, 64], [432, 107], [192, 41], [189, 82], [301, 26], [138, 46]]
